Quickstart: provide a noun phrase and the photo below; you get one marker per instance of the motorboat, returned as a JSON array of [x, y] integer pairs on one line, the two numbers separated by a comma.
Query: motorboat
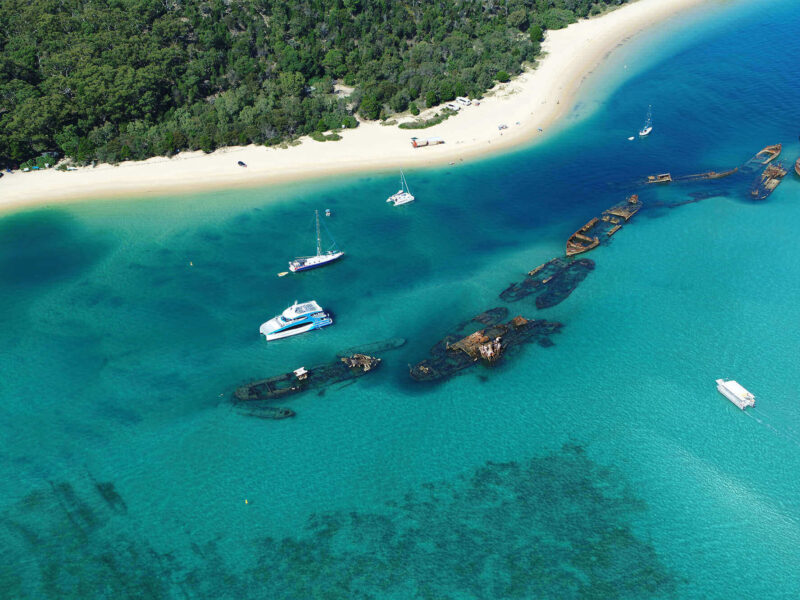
[[734, 392], [648, 124], [298, 318]]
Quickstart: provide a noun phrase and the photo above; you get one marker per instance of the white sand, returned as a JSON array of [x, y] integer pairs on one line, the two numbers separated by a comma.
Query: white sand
[[535, 99]]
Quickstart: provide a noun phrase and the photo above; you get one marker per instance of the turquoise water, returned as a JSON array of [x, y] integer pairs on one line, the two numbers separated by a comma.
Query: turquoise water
[[604, 466]]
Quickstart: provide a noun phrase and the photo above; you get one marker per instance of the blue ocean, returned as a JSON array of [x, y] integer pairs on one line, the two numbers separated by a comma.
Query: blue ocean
[[603, 466]]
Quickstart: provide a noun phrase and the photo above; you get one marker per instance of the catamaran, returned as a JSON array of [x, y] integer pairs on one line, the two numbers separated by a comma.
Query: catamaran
[[304, 263], [296, 319], [403, 195], [648, 124]]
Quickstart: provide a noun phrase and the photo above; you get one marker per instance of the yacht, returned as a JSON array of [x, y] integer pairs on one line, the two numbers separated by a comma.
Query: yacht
[[296, 319], [304, 263], [734, 392], [403, 195]]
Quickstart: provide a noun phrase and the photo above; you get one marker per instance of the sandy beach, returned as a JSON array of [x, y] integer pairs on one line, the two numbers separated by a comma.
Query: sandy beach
[[529, 103]]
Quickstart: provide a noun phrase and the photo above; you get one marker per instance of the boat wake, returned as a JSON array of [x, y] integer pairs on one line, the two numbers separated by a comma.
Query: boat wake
[[755, 414]]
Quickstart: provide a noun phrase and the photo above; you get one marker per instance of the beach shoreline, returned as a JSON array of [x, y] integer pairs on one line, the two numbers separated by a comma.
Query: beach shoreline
[[532, 105]]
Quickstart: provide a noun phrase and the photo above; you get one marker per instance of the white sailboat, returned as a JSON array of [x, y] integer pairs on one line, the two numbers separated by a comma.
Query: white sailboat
[[304, 263], [403, 195], [648, 124]]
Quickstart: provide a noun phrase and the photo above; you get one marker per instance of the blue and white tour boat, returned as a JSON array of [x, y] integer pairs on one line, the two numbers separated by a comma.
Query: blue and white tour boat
[[296, 319]]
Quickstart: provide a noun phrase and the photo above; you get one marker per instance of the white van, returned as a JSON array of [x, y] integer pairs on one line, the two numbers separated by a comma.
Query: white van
[[463, 101], [453, 106]]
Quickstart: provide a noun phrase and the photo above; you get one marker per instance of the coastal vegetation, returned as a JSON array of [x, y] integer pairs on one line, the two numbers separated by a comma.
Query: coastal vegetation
[[127, 79]]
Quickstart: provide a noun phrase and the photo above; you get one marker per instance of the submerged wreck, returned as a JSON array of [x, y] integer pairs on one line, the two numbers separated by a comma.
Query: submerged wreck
[[551, 282], [766, 183], [589, 236], [302, 379], [254, 399], [668, 178], [488, 345], [767, 155]]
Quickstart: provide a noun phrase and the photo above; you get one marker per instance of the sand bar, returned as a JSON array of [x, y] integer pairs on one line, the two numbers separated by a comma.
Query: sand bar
[[536, 100]]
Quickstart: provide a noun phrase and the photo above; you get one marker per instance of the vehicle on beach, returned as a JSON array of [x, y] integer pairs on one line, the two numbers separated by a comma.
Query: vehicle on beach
[[403, 195], [305, 263], [463, 101], [453, 106], [297, 319]]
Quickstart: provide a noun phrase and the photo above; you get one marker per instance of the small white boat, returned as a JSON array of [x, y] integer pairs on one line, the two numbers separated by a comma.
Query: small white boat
[[304, 263], [403, 195], [734, 392], [297, 319], [648, 124]]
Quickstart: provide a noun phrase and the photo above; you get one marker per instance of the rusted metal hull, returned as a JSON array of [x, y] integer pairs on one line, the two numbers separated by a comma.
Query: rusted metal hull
[[769, 179]]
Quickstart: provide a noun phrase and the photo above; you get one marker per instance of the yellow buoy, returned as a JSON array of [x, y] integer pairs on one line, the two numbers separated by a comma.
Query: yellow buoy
[[245, 501]]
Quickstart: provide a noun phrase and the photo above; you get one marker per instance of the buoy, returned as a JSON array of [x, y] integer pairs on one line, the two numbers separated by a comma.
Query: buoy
[[245, 501], [282, 273], [191, 264]]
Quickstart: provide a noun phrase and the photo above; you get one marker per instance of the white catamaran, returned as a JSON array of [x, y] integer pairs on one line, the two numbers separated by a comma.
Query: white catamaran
[[403, 195], [304, 263], [648, 124]]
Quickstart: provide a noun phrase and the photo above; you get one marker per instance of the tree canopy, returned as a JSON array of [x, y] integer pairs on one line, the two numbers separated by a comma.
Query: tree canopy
[[111, 80]]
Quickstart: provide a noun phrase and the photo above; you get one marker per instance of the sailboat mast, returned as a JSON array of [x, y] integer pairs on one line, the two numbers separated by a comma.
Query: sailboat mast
[[319, 246]]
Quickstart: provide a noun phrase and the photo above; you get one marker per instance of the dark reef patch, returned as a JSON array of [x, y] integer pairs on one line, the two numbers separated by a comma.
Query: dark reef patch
[[43, 247], [556, 526]]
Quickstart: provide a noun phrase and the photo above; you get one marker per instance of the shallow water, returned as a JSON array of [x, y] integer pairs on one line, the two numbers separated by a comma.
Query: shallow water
[[604, 466]]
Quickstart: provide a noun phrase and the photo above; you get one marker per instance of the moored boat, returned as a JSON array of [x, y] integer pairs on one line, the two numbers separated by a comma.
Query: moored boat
[[734, 392], [304, 263], [297, 319], [403, 195]]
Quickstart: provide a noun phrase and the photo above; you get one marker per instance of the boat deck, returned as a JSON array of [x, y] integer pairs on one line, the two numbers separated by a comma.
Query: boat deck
[[608, 223], [770, 179]]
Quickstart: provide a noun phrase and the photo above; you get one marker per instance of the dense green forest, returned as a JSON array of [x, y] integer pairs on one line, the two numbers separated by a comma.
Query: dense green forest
[[112, 80]]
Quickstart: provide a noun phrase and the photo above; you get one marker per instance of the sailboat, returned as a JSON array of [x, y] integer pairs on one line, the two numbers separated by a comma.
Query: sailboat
[[304, 263], [648, 124], [403, 195]]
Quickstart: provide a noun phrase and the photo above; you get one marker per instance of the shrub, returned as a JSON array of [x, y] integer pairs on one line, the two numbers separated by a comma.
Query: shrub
[[431, 99], [502, 76]]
